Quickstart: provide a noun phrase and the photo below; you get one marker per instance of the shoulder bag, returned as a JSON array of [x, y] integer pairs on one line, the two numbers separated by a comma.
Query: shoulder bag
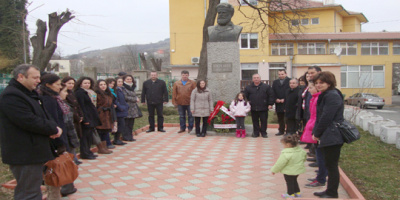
[[348, 131], [60, 171]]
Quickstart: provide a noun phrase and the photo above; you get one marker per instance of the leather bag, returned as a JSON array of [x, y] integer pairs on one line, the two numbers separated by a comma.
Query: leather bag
[[61, 171], [348, 131]]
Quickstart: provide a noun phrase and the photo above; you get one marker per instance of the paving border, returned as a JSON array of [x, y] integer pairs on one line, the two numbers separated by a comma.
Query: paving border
[[349, 187]]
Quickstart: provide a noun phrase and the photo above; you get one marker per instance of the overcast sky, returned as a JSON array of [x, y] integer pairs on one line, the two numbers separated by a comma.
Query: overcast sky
[[101, 24]]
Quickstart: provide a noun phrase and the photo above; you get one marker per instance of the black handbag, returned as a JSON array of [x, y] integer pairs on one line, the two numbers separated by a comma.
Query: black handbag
[[348, 131]]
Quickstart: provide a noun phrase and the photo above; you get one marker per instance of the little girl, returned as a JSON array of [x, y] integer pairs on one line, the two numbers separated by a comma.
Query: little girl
[[290, 163], [239, 108]]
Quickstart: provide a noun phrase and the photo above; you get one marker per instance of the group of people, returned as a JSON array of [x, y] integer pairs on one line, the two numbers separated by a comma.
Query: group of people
[[51, 115], [310, 112], [42, 116]]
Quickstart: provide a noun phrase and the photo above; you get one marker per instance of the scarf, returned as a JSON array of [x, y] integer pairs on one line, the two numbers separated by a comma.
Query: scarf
[[303, 95], [112, 92], [129, 86], [92, 96], [63, 105]]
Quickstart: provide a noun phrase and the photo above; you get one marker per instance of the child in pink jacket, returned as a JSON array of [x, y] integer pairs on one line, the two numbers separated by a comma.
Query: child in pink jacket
[[239, 108]]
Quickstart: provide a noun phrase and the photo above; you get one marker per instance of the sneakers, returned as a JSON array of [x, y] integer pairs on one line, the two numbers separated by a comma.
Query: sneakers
[[287, 196], [315, 184], [311, 179], [298, 195]]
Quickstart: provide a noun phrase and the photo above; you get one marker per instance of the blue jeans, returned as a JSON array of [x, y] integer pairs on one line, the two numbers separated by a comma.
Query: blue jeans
[[322, 171], [182, 117]]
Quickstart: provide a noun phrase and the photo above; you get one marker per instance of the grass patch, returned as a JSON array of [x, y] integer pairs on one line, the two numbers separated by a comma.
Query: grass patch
[[373, 166]]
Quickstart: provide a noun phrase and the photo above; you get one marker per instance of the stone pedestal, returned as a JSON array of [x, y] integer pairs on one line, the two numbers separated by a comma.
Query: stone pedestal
[[223, 70]]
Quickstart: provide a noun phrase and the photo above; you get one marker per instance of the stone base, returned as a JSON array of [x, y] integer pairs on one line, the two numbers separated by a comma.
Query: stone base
[[223, 70]]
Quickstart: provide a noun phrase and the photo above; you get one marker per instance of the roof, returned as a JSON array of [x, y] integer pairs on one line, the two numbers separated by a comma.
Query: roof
[[309, 5], [337, 36]]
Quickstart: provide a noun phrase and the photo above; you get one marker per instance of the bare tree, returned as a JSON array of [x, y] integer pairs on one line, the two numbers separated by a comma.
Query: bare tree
[[271, 16], [156, 63], [131, 57], [42, 53], [144, 63]]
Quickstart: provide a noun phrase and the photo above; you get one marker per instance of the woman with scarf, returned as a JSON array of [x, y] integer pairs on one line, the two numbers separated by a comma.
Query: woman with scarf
[[60, 111], [69, 83], [131, 98], [111, 83], [121, 110], [87, 99]]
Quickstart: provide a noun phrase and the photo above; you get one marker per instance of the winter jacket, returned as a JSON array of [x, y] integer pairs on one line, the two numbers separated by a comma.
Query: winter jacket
[[131, 100], [291, 103], [280, 92], [330, 109], [260, 97], [70, 131], [181, 93], [291, 161], [89, 110], [154, 92], [313, 116], [25, 127], [239, 110], [122, 107], [300, 111], [201, 103], [104, 109]]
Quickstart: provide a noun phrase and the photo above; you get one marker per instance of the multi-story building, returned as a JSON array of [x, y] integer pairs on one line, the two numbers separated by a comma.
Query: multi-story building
[[325, 34]]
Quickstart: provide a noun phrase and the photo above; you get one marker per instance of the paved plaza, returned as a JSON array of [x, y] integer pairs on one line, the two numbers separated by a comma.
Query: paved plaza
[[181, 166]]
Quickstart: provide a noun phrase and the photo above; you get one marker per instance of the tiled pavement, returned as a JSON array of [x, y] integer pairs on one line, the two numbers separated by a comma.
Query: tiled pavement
[[182, 166]]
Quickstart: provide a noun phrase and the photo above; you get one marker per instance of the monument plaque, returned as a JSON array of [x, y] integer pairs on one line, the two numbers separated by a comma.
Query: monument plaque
[[221, 67]]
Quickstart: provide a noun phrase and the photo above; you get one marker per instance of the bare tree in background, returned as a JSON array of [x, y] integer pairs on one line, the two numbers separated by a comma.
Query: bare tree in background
[[156, 63], [44, 50], [143, 61], [279, 12]]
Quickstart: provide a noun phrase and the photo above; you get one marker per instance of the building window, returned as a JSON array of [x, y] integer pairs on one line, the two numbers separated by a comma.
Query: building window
[[295, 22], [248, 69], [374, 48], [251, 2], [311, 48], [304, 21], [348, 48], [396, 48], [315, 20], [281, 49], [249, 40], [273, 70], [363, 76]]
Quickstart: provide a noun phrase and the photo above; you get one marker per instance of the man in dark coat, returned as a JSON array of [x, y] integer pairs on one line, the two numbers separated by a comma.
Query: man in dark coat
[[291, 103], [154, 92], [261, 99], [279, 86], [25, 130]]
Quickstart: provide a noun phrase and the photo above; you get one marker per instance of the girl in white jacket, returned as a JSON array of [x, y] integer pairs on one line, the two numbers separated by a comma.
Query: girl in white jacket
[[239, 108]]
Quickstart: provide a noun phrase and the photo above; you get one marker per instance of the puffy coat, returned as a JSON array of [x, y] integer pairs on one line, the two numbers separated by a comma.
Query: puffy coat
[[104, 107], [181, 93], [25, 127], [280, 92], [122, 107], [260, 96], [330, 109], [239, 110], [291, 161], [154, 92], [201, 103], [131, 100]]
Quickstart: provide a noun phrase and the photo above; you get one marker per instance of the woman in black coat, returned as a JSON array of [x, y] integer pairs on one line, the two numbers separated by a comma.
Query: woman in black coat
[[330, 109], [86, 98]]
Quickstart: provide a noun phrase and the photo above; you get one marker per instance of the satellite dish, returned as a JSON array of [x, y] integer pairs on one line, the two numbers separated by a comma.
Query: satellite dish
[[338, 51]]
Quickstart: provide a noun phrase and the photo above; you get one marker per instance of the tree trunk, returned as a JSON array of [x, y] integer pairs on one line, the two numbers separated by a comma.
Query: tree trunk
[[209, 21], [41, 53], [144, 63], [156, 63]]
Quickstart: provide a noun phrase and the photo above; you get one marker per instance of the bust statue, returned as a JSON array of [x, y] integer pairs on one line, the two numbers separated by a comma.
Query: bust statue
[[225, 31]]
